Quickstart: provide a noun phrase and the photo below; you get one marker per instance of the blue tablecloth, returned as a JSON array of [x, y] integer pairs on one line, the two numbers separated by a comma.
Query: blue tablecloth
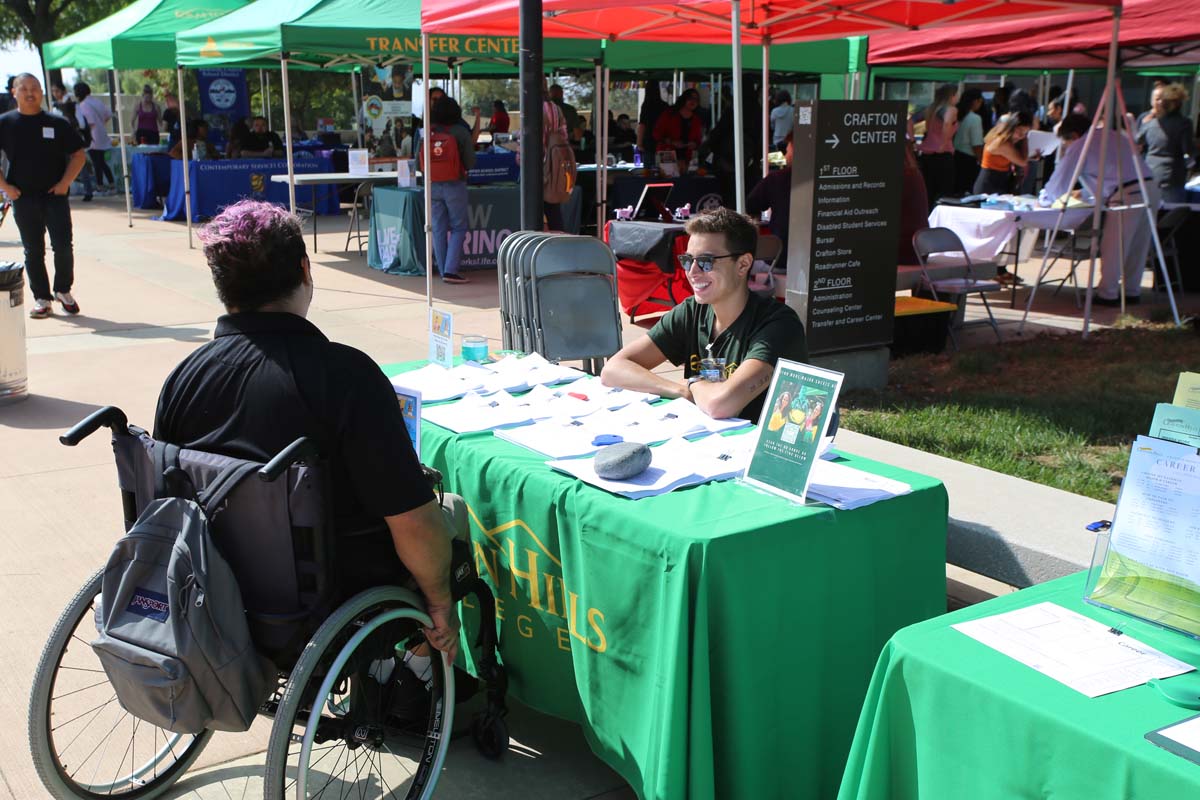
[[150, 179], [216, 184]]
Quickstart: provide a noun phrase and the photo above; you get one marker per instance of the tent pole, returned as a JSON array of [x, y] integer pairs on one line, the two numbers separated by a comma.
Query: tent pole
[[262, 92], [1195, 96], [531, 77], [599, 156], [720, 101], [287, 126], [604, 164], [124, 156], [739, 137], [766, 106], [183, 138], [357, 96], [267, 98], [427, 153], [1109, 118]]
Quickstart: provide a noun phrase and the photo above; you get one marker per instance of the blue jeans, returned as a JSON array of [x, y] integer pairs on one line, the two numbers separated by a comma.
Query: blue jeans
[[450, 223]]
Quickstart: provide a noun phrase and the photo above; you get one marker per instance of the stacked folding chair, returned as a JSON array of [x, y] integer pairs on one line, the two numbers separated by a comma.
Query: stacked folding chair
[[558, 297]]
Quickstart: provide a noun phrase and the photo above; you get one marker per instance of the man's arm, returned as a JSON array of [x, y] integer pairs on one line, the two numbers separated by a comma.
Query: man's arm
[[73, 168], [729, 397], [423, 544], [631, 368]]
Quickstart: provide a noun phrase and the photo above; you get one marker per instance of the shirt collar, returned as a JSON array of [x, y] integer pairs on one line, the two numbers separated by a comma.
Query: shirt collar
[[248, 322]]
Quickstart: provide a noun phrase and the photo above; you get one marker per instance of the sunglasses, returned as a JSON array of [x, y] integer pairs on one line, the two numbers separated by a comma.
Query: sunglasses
[[705, 262]]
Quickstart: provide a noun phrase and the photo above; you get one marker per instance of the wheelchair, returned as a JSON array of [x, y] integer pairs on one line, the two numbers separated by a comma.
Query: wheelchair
[[335, 724]]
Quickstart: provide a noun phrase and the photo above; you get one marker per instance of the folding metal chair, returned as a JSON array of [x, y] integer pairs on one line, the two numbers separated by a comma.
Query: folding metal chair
[[943, 240]]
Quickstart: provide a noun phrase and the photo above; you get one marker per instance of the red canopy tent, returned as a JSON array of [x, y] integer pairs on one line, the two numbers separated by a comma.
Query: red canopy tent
[[1154, 33], [709, 21]]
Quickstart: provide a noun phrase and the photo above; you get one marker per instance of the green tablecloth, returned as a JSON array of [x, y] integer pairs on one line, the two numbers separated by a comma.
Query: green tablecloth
[[397, 234], [713, 642], [948, 717]]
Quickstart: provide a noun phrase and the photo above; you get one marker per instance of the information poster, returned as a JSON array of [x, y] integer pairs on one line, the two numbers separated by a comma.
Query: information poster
[[384, 116], [441, 337], [1151, 568], [845, 221], [410, 410], [800, 401]]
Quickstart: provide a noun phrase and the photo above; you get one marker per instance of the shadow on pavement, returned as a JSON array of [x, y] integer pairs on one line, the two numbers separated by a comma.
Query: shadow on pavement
[[136, 330], [39, 412]]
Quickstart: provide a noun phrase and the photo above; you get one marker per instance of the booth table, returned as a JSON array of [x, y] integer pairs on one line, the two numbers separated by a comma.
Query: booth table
[[397, 236], [150, 179], [948, 717], [714, 642], [216, 184], [993, 234]]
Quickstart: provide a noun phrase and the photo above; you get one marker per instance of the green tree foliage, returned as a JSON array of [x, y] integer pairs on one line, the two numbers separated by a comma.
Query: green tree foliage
[[41, 21]]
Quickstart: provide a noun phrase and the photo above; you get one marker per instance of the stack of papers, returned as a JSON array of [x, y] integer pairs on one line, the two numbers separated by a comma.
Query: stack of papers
[[675, 464], [509, 374], [479, 412], [586, 396], [567, 436], [847, 488]]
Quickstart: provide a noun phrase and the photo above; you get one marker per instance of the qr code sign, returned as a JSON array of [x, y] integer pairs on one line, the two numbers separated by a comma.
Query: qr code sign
[[805, 115]]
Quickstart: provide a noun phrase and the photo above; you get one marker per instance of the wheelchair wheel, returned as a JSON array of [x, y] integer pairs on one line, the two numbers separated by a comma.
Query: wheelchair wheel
[[336, 731], [84, 744]]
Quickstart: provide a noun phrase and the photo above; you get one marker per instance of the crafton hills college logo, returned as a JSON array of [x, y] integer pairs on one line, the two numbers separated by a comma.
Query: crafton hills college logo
[[527, 580]]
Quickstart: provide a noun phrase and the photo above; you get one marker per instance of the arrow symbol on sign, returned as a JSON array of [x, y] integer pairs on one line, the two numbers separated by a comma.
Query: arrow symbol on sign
[[833, 140]]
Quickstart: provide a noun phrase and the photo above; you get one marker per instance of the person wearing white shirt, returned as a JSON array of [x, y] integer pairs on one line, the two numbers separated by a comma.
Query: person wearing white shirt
[[1126, 235], [781, 120], [93, 115]]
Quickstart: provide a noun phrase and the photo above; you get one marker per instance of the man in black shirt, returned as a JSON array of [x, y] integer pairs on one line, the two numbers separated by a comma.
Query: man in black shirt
[[261, 142], [727, 339], [774, 192], [269, 376], [44, 156]]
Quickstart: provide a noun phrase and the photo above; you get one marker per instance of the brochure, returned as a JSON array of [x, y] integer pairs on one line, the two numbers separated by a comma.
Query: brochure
[[794, 420], [1187, 391], [1176, 424], [1151, 566], [441, 337]]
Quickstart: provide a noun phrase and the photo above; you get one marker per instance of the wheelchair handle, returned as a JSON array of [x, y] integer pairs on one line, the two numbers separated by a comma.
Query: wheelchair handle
[[303, 449], [109, 416]]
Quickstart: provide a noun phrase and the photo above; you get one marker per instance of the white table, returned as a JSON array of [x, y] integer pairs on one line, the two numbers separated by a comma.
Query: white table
[[315, 179], [986, 233]]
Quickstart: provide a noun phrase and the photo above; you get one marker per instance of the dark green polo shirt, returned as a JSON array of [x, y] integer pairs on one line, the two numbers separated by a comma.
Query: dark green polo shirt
[[766, 330]]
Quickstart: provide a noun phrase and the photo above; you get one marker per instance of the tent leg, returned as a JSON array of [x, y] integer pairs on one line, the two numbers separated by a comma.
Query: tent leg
[[1099, 202], [427, 152], [739, 138], [124, 155], [599, 155], [267, 98], [604, 137], [766, 107], [291, 164], [183, 139], [262, 91], [354, 93]]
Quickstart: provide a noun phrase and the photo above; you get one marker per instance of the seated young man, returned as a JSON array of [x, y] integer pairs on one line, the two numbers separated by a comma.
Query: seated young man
[[723, 320], [270, 376]]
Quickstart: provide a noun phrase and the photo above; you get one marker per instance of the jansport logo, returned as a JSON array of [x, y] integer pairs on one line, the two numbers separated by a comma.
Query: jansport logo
[[150, 605]]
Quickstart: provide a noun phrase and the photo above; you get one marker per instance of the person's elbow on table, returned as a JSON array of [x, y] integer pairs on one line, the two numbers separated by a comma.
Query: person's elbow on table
[[730, 397], [632, 368]]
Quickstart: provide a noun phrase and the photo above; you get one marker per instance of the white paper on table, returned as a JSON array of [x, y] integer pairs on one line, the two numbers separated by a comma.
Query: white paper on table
[[610, 397], [847, 488], [676, 418], [567, 437], [534, 370], [479, 412], [1158, 513], [1043, 142], [674, 465], [436, 383], [1072, 649]]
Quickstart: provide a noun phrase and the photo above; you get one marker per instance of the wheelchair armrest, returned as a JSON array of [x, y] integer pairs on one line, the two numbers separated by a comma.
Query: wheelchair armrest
[[303, 449], [109, 416]]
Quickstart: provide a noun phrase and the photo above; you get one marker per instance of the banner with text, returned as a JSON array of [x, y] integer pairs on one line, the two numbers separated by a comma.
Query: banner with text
[[224, 99]]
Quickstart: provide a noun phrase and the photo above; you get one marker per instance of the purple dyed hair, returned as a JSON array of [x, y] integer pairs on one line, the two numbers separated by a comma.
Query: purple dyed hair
[[256, 252]]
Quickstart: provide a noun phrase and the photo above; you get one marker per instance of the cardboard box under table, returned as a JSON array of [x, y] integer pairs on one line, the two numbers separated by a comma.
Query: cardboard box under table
[[714, 642]]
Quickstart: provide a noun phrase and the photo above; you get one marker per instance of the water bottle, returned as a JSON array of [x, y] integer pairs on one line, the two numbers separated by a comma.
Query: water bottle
[[637, 156]]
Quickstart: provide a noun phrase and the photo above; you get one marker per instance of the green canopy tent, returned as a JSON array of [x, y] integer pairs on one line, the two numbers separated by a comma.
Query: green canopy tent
[[139, 36]]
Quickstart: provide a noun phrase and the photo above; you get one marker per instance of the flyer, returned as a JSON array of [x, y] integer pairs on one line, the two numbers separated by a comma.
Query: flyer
[[410, 410], [1187, 391], [794, 419], [1176, 424], [441, 337], [1151, 568]]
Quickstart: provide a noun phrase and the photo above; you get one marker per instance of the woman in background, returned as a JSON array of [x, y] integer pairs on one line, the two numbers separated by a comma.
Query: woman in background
[[937, 147], [1002, 152], [499, 123], [1168, 141], [968, 141], [145, 118]]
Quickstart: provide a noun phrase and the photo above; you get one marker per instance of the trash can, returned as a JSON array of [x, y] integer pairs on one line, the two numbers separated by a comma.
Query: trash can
[[13, 374]]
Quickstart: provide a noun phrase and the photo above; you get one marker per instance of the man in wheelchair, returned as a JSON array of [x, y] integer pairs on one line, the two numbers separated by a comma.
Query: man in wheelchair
[[270, 376]]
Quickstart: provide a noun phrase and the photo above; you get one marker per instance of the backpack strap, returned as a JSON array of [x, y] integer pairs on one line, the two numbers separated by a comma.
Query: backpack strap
[[225, 482], [169, 478]]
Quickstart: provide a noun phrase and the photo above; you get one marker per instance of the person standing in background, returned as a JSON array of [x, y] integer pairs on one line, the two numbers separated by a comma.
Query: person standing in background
[[782, 117], [44, 155], [1168, 142], [937, 146], [94, 115], [499, 122], [652, 108], [968, 141], [145, 118], [64, 105]]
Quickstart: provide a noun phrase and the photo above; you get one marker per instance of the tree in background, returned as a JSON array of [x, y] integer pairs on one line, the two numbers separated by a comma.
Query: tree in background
[[42, 21]]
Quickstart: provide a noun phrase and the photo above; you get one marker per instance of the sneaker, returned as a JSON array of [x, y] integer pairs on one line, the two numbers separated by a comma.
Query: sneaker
[[87, 198], [68, 302], [41, 309], [454, 277], [410, 700]]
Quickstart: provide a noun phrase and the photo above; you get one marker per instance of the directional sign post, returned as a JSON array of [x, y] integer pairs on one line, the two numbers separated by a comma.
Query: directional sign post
[[845, 220]]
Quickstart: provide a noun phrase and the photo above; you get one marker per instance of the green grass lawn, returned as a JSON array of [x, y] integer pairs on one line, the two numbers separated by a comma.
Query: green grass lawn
[[1056, 409]]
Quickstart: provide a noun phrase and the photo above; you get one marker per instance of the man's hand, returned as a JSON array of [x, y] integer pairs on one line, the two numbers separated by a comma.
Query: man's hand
[[12, 192], [61, 189], [444, 633]]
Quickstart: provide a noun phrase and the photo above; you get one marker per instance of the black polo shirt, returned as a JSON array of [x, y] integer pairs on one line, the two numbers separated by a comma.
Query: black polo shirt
[[38, 147], [267, 379]]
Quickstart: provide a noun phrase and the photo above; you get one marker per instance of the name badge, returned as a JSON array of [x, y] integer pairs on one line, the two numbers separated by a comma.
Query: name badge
[[47, 133]]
